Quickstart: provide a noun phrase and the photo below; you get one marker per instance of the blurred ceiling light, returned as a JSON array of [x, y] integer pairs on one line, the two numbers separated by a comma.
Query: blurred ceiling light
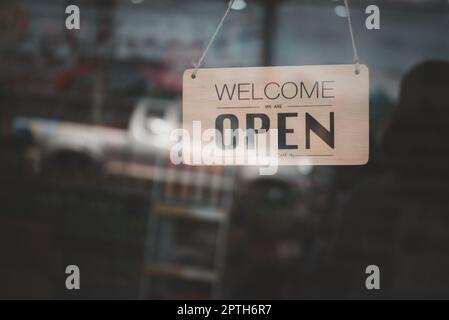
[[305, 170], [341, 11], [239, 5], [159, 126], [306, 167], [137, 1]]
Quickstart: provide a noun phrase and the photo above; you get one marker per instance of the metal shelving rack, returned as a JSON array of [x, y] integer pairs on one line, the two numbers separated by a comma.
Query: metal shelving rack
[[204, 197]]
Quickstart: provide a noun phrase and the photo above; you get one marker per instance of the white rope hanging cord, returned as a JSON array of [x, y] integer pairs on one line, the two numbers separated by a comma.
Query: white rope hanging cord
[[203, 56], [351, 32], [198, 65]]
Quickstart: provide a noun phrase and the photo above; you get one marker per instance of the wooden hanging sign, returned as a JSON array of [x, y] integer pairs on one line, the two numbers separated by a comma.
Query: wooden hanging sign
[[317, 115]]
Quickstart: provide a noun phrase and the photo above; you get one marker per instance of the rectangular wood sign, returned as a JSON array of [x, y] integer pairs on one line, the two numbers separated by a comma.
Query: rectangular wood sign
[[314, 115]]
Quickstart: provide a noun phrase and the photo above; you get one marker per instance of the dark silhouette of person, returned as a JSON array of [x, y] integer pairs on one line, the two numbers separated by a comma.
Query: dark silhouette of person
[[399, 221]]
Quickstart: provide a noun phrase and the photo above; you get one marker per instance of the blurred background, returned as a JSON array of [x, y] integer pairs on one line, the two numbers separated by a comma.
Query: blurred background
[[85, 178]]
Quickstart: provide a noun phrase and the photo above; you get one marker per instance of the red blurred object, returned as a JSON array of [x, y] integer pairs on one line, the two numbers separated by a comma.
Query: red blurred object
[[66, 78]]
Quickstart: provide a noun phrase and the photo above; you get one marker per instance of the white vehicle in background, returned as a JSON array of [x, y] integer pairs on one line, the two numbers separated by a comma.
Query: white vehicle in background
[[69, 147], [78, 146]]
